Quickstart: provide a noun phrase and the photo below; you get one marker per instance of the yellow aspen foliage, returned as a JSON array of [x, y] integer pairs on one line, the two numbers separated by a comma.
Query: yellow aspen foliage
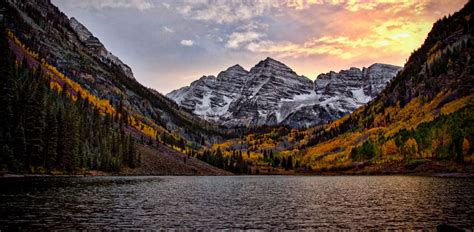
[[56, 78], [25, 49], [410, 149], [389, 148], [55, 86], [435, 55], [457, 104]]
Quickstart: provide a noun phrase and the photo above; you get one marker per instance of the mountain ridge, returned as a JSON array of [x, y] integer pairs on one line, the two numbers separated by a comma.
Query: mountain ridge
[[89, 40], [292, 99], [45, 29]]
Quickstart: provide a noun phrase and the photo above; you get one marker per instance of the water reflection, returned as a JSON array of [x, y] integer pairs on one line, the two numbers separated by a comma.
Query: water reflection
[[255, 202]]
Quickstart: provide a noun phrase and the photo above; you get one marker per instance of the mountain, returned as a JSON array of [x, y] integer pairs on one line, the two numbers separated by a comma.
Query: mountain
[[271, 93], [423, 121], [69, 105], [76, 53]]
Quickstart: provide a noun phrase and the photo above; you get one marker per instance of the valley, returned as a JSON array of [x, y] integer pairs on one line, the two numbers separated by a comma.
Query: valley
[[308, 115]]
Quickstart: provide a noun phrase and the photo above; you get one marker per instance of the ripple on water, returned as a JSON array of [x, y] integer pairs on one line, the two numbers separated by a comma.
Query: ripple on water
[[240, 202]]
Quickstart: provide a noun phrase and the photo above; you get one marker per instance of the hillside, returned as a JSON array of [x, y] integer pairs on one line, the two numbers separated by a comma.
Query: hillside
[[69, 48], [47, 128], [159, 160], [69, 105], [422, 121], [425, 114]]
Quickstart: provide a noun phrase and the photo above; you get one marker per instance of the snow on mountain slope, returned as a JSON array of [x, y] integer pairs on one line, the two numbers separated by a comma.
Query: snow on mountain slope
[[272, 94]]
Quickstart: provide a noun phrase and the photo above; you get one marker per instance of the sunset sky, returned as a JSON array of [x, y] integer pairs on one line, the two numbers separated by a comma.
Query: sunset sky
[[168, 44]]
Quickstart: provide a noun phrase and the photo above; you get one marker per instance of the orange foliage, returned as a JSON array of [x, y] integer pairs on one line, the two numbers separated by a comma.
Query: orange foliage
[[104, 106], [27, 50], [389, 148], [454, 106], [411, 148]]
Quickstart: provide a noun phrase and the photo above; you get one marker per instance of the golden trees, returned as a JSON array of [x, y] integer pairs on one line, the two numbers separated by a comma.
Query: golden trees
[[389, 149], [410, 149]]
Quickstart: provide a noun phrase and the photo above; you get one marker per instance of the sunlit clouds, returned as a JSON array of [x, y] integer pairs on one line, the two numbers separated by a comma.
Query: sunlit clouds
[[393, 36], [187, 42], [224, 11], [169, 44], [238, 38]]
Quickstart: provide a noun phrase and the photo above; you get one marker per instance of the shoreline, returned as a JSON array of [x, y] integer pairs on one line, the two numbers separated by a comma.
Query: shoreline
[[425, 168], [421, 174]]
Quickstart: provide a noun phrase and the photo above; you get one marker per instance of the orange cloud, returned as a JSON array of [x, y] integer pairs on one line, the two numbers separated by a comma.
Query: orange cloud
[[366, 29], [357, 5], [393, 36]]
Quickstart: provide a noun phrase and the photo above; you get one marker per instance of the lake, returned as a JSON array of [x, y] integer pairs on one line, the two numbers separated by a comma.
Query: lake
[[236, 202]]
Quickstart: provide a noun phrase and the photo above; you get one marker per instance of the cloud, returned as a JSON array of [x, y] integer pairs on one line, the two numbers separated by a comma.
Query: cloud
[[357, 5], [223, 11], [167, 29], [253, 25], [237, 38], [289, 49], [187, 42], [388, 37], [138, 4]]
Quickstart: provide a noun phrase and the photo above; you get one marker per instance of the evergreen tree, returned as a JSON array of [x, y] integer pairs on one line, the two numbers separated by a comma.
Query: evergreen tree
[[181, 144], [289, 162], [132, 153], [19, 149], [34, 125], [6, 92], [51, 140], [62, 148]]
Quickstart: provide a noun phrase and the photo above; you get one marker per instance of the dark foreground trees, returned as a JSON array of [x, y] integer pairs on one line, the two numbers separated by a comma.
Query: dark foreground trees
[[233, 163]]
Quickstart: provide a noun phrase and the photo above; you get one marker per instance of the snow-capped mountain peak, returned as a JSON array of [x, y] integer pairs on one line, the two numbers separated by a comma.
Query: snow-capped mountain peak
[[271, 93]]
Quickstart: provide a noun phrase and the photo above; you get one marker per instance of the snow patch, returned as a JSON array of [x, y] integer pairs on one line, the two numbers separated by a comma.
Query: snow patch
[[218, 111], [290, 105], [360, 96], [205, 105]]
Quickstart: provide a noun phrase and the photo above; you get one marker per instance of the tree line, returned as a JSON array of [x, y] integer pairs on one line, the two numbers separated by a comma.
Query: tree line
[[233, 163]]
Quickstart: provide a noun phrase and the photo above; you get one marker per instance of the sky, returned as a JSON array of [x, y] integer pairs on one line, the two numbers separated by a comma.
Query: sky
[[169, 44]]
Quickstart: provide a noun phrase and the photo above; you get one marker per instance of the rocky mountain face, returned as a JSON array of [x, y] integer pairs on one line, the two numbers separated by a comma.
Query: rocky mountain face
[[271, 93], [93, 43], [70, 47]]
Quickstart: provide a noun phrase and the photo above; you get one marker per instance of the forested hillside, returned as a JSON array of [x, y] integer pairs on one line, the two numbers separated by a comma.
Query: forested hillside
[[52, 125], [52, 39], [46, 130], [86, 110], [422, 121], [426, 113]]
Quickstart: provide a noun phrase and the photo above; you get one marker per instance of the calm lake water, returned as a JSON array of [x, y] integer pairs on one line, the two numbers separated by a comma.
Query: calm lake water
[[239, 202]]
